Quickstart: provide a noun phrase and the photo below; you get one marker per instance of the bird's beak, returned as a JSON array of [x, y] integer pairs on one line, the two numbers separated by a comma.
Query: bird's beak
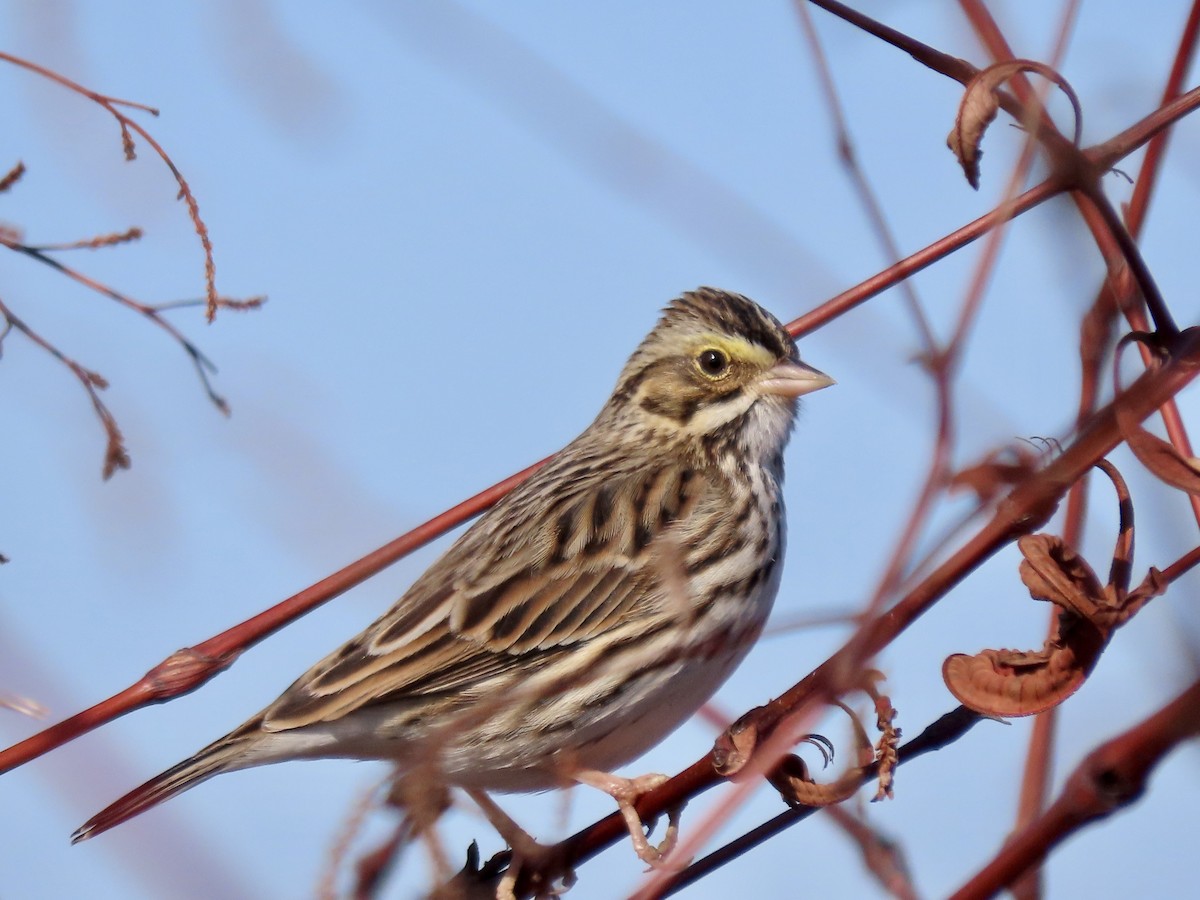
[[789, 379]]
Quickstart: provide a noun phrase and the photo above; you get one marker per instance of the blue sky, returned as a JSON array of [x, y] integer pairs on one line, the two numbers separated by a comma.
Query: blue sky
[[465, 219]]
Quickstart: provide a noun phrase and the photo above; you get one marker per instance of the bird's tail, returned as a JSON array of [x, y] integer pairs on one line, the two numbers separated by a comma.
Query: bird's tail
[[224, 755]]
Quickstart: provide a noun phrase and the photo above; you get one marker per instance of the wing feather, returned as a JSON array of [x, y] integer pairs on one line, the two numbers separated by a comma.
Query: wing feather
[[537, 574]]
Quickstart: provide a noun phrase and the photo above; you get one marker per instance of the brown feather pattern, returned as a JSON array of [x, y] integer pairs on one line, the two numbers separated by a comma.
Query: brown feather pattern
[[586, 614]]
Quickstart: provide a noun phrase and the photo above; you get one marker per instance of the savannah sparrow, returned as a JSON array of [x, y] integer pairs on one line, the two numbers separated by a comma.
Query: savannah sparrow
[[588, 613]]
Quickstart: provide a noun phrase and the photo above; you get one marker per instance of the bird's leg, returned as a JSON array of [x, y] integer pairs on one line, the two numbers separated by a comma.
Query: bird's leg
[[626, 792], [545, 861], [422, 797]]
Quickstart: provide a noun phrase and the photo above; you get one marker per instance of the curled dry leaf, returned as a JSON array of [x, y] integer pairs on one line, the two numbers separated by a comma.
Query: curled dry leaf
[[980, 103], [1009, 683], [1054, 572], [1025, 682], [1160, 457]]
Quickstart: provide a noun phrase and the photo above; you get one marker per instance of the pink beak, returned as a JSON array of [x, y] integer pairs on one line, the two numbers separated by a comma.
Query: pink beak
[[793, 380]]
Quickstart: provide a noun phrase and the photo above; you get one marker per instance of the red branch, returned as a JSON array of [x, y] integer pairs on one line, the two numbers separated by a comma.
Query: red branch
[[1110, 778], [187, 669]]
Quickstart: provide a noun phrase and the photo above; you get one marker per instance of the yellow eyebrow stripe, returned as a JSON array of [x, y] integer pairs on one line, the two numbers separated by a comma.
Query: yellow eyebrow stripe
[[736, 348]]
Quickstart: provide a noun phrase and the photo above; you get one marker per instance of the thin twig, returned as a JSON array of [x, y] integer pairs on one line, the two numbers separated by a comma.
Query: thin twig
[[126, 124]]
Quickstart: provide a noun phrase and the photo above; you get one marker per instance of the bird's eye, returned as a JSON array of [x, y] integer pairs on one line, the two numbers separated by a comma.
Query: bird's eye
[[712, 362]]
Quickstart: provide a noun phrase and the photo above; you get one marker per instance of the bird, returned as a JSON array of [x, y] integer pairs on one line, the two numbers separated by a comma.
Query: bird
[[590, 611]]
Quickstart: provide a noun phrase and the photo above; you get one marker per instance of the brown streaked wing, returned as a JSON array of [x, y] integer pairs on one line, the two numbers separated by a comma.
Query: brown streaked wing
[[597, 566], [444, 636]]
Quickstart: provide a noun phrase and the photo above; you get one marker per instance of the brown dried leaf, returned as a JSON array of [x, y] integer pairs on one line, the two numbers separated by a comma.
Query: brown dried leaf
[[1054, 572], [1159, 456], [1011, 683], [980, 103], [1021, 683], [976, 112]]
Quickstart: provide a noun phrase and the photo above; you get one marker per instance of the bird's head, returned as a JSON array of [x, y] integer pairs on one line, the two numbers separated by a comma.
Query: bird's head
[[717, 373]]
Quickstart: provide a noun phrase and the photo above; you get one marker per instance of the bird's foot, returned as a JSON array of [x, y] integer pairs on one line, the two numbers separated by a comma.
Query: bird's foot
[[627, 792], [547, 869]]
